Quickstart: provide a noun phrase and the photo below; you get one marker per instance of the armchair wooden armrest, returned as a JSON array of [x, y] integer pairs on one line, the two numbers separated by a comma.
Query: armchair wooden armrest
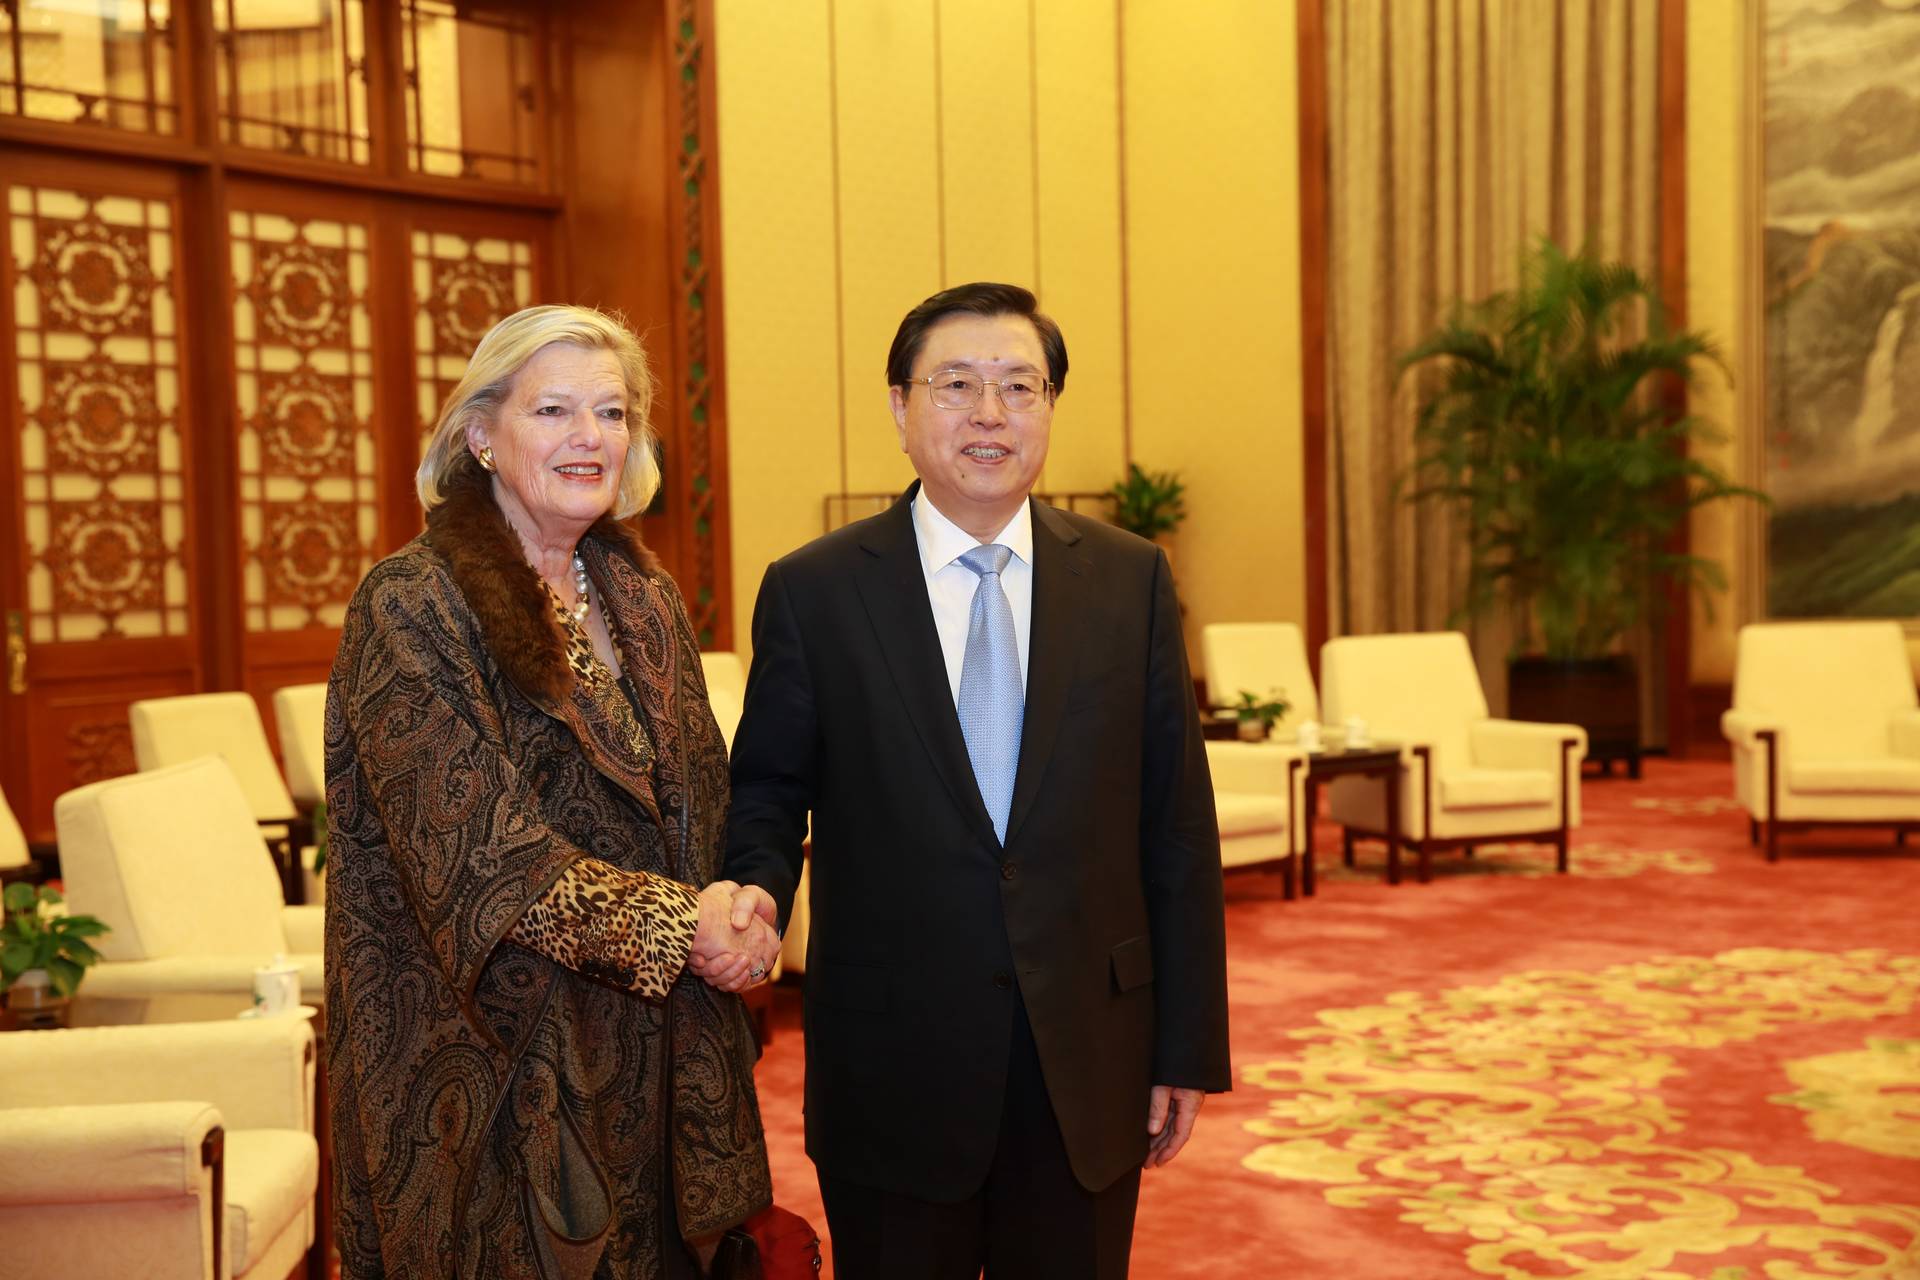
[[1743, 728]]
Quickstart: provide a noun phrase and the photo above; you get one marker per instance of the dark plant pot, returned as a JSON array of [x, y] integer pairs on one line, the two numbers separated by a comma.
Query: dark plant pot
[[1601, 695]]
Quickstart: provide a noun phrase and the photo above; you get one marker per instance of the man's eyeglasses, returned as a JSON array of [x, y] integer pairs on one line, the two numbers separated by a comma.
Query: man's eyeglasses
[[958, 389]]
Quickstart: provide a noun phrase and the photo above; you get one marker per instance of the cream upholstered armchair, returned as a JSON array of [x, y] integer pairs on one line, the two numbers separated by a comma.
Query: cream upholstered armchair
[[184, 1150], [1825, 728], [300, 714], [726, 689], [1466, 778], [168, 731], [174, 864], [1259, 793], [1257, 657], [793, 943]]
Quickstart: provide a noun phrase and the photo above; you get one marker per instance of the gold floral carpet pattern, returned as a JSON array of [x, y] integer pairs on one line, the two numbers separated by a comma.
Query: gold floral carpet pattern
[[1528, 1117], [1867, 1098], [1589, 859], [1679, 1060]]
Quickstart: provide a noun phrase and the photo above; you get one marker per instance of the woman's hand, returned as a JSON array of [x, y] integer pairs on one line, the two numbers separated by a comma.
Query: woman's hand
[[734, 947]]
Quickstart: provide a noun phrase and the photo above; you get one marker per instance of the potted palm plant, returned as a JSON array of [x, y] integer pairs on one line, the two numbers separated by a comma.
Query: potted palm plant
[[1544, 429], [43, 953], [1149, 503]]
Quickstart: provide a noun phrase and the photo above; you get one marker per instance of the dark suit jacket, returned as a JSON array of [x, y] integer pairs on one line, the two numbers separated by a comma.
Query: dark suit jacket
[[1104, 907]]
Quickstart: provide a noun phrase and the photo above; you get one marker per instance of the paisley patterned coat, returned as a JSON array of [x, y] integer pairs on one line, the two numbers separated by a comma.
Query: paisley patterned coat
[[494, 1113]]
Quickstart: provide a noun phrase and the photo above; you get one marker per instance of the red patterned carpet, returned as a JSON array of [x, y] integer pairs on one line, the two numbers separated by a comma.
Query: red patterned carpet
[[1678, 1061]]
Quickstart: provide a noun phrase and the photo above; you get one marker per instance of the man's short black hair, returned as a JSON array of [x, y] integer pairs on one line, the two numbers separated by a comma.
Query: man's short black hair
[[978, 299]]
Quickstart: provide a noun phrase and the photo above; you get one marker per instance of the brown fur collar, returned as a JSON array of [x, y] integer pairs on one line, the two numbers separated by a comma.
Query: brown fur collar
[[485, 558]]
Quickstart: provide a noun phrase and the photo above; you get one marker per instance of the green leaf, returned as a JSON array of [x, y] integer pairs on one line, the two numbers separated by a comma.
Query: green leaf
[[1149, 503], [65, 975], [1541, 427], [15, 959], [19, 897]]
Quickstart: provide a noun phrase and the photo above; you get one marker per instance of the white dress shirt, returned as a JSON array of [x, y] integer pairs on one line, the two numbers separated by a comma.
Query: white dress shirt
[[950, 584]]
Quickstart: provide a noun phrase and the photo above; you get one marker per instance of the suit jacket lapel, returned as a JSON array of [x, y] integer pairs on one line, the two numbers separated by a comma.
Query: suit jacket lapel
[[893, 588], [1060, 581]]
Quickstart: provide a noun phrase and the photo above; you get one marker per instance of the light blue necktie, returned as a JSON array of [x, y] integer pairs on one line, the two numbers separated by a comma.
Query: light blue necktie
[[991, 697]]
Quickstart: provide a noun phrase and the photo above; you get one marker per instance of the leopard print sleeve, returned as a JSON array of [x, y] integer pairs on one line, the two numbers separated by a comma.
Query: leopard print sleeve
[[626, 928]]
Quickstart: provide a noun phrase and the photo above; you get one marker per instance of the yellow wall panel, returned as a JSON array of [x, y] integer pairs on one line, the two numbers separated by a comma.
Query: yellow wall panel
[[777, 231], [985, 51], [889, 211], [1137, 163], [876, 150], [1079, 272], [1212, 253], [1716, 72]]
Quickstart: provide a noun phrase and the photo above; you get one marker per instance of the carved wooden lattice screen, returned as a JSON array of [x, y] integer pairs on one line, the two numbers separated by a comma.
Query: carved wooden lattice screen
[[99, 476], [461, 286], [249, 249], [303, 389], [101, 483]]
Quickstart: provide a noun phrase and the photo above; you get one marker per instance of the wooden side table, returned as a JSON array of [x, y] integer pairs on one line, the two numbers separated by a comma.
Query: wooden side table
[[1382, 761]]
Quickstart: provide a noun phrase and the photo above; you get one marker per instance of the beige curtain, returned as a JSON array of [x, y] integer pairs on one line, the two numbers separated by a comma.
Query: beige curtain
[[1458, 131]]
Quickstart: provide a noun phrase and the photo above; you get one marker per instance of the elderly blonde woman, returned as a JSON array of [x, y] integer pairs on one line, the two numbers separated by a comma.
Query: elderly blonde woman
[[526, 797]]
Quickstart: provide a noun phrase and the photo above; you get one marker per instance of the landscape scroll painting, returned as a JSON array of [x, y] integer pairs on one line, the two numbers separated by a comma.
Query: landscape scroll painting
[[1842, 297]]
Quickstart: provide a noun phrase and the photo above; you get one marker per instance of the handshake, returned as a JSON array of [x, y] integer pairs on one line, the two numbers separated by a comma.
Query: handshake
[[734, 945]]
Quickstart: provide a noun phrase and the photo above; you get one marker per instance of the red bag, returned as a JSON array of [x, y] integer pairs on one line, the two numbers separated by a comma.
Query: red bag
[[774, 1244]]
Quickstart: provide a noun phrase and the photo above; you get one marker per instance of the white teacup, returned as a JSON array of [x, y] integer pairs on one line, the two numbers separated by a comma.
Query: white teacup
[[1358, 735], [1307, 734], [276, 988]]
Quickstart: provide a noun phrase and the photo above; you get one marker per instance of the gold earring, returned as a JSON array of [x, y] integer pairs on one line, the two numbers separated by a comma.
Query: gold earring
[[486, 457]]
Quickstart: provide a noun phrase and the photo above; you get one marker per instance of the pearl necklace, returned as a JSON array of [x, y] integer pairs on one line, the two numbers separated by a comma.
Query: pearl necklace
[[583, 603]]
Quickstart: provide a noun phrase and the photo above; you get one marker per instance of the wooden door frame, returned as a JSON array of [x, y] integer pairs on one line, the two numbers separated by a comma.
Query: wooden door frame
[[174, 663]]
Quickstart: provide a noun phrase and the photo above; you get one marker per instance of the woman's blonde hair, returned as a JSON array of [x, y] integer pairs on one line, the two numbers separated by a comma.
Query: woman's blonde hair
[[497, 361]]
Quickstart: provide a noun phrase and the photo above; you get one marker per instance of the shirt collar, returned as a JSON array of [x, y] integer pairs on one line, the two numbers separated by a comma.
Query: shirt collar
[[942, 541]]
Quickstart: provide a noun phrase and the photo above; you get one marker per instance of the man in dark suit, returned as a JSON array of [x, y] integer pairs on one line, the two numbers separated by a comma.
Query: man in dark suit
[[1016, 975]]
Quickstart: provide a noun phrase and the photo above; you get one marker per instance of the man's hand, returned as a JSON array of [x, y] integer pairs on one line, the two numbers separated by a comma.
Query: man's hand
[[750, 901], [1170, 1116], [734, 945]]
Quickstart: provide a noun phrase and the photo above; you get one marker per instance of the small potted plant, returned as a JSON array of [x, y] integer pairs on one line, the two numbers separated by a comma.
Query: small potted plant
[[1258, 715], [1149, 503], [43, 955], [1543, 427]]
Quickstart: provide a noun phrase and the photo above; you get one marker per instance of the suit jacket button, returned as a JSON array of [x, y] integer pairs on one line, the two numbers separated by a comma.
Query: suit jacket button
[[1003, 980], [1007, 871]]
